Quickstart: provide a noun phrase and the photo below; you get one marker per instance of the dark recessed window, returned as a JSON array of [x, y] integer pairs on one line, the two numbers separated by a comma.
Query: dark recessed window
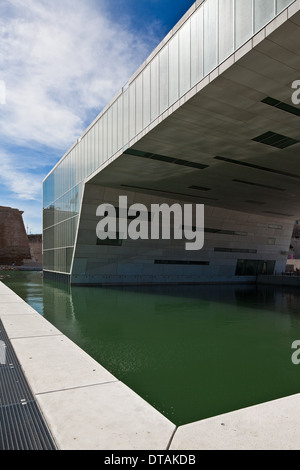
[[275, 140], [163, 158], [247, 267], [183, 262], [110, 242], [235, 250], [281, 105]]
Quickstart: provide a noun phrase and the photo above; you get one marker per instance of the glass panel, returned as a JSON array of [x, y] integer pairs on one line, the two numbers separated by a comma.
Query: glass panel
[[104, 119], [226, 29], [146, 97], [48, 216], [240, 268], [80, 160], [96, 146], [48, 238], [281, 4], [60, 260], [69, 255], [99, 156], [114, 128], [264, 12], [48, 260], [72, 169], [243, 21], [48, 190], [90, 158], [132, 111], [125, 117], [197, 47], [270, 267], [154, 88], [76, 163], [164, 79], [185, 58], [173, 70], [139, 103], [210, 35], [109, 132], [120, 123]]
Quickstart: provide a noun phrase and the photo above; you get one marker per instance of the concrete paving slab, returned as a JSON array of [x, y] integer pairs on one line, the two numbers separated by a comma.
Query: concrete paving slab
[[8, 297], [109, 416], [15, 308], [27, 326], [56, 363], [274, 425]]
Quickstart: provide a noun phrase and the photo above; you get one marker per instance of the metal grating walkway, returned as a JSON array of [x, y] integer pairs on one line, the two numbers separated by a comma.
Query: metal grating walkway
[[22, 426]]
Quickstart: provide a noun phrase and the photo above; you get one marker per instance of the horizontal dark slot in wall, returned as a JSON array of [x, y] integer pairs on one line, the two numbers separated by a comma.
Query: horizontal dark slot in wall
[[279, 213], [199, 188], [147, 215], [163, 158], [234, 250], [188, 263], [258, 185], [166, 192], [257, 167], [281, 105], [257, 203], [219, 231]]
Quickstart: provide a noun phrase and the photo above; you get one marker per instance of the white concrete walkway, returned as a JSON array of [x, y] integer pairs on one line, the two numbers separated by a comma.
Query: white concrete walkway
[[87, 408]]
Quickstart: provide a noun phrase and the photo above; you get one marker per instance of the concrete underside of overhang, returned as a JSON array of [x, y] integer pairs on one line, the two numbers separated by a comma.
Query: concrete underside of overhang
[[221, 120]]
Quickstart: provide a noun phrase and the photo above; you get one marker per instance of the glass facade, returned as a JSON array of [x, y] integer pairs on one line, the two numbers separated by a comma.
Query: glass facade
[[211, 34], [252, 267]]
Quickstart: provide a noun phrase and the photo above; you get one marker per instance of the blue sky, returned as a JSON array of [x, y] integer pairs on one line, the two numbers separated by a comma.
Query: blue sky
[[61, 62]]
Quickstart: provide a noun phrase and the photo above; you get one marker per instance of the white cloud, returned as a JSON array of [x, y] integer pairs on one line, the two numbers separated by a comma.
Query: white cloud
[[20, 182], [60, 60]]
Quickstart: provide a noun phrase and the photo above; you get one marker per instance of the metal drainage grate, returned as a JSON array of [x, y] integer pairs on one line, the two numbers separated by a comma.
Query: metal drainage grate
[[22, 426]]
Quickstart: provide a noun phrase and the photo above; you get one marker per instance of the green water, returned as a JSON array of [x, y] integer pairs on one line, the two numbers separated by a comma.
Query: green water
[[192, 352]]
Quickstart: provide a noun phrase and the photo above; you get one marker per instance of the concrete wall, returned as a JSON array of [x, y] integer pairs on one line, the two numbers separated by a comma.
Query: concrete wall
[[144, 261]]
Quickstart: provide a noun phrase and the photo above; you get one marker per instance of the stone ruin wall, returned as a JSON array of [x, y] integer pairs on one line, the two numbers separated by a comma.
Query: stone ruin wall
[[14, 244]]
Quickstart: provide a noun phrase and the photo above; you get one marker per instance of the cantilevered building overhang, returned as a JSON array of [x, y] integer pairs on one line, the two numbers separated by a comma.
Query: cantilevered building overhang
[[207, 119]]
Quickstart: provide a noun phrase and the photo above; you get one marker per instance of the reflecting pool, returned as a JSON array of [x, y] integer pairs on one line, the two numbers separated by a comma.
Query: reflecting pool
[[191, 351]]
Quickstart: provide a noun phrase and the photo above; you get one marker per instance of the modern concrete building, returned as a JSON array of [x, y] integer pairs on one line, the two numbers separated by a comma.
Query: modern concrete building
[[207, 119]]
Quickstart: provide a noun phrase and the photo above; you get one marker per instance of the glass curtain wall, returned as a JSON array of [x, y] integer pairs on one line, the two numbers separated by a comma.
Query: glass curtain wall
[[210, 35]]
